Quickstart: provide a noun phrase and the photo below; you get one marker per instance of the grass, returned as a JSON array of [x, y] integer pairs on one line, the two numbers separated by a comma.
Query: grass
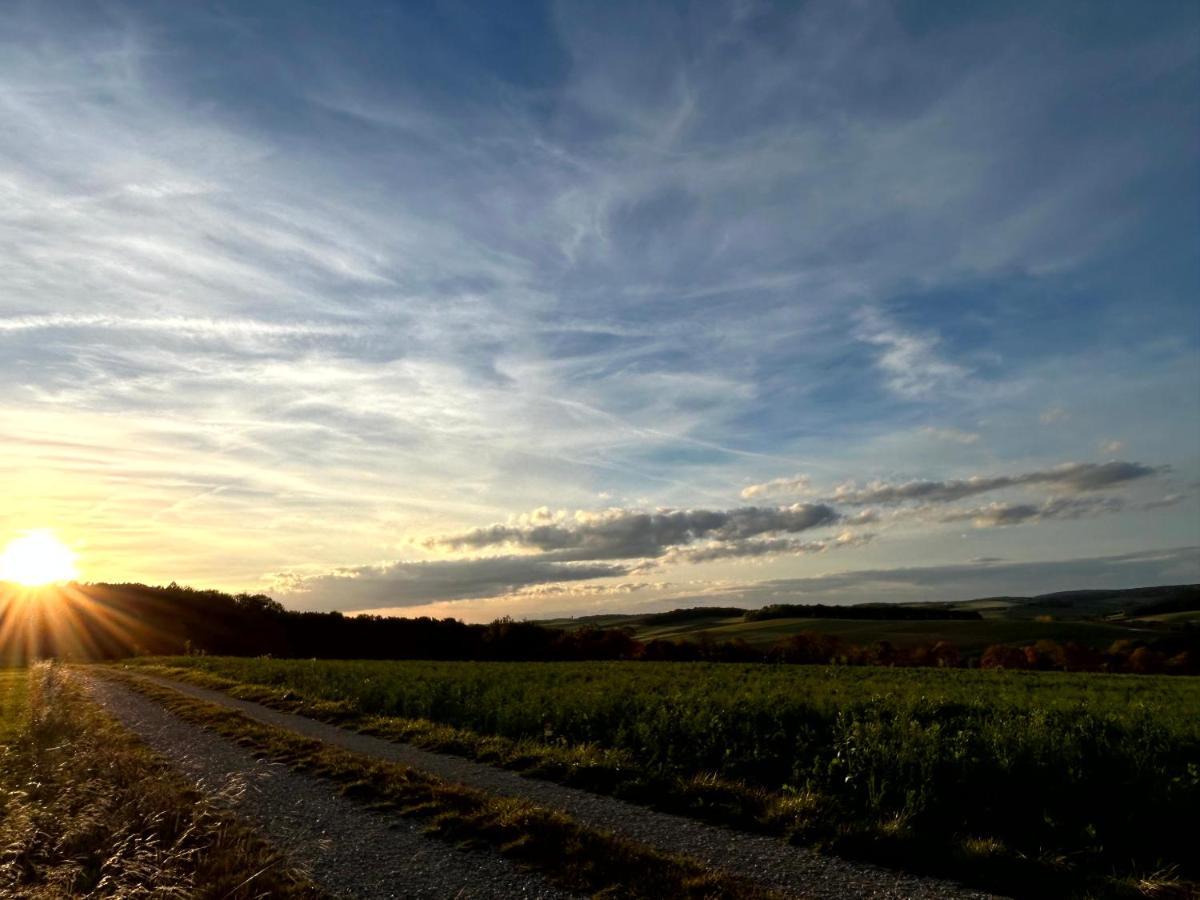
[[576, 857], [13, 704], [1078, 782], [87, 810]]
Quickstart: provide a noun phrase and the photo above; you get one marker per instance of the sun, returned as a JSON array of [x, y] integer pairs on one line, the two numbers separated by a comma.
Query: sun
[[37, 558]]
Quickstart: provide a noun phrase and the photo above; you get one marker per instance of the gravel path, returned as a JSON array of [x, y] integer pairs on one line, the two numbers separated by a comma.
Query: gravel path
[[794, 871], [348, 850]]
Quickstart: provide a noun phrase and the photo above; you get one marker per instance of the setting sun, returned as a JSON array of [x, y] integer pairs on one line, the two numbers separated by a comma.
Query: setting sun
[[37, 557]]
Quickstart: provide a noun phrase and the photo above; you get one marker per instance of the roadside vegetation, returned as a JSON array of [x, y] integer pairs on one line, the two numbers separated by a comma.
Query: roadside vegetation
[[1032, 783], [578, 858], [87, 810]]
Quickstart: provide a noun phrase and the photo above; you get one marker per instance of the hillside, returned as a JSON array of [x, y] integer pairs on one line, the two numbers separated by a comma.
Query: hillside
[[1094, 618]]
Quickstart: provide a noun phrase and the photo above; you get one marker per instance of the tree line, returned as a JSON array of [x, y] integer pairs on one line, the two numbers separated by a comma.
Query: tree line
[[112, 621]]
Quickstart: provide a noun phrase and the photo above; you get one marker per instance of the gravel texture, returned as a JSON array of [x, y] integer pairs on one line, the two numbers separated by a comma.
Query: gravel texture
[[347, 849], [793, 871]]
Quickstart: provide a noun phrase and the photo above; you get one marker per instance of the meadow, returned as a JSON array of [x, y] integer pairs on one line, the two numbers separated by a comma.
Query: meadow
[[1075, 772]]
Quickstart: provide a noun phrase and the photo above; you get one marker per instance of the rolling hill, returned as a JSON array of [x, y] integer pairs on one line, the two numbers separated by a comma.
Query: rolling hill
[[1095, 618]]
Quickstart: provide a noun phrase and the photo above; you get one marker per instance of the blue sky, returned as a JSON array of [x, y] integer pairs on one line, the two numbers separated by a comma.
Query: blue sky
[[478, 309]]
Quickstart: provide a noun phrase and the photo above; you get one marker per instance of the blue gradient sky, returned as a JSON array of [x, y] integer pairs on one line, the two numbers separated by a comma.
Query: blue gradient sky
[[306, 297]]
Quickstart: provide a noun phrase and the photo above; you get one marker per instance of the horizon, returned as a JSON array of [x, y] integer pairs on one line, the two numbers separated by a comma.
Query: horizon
[[545, 310]]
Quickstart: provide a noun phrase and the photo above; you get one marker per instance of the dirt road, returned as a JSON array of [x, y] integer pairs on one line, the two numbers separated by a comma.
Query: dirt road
[[311, 816]]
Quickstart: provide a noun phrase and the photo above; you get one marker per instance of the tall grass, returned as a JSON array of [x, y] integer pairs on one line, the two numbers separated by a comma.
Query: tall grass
[[86, 810]]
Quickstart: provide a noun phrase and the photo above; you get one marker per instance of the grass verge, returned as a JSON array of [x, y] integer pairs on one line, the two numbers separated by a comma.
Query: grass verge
[[87, 810], [577, 858]]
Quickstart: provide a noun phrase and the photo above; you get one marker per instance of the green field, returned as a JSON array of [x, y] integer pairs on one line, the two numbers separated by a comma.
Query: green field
[[1093, 619], [971, 637], [1100, 767]]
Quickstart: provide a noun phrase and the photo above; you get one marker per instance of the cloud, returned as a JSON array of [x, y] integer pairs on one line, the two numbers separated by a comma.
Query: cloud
[[1164, 502], [356, 296], [176, 325], [1069, 477], [633, 534], [414, 583], [963, 581], [909, 361], [750, 548], [798, 484], [952, 434], [1053, 414], [862, 517], [1000, 514]]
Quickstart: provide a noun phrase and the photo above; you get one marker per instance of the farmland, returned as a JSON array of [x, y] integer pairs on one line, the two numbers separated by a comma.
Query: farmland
[[1096, 769], [1094, 619], [971, 637]]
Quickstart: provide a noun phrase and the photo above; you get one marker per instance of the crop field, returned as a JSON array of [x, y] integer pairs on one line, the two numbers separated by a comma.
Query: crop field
[[1098, 769], [971, 637]]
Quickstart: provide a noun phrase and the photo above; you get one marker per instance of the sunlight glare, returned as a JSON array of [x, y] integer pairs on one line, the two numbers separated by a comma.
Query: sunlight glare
[[37, 558]]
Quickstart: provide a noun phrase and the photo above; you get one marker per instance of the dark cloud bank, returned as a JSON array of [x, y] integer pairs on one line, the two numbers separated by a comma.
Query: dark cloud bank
[[629, 534], [546, 548], [981, 578], [1072, 478]]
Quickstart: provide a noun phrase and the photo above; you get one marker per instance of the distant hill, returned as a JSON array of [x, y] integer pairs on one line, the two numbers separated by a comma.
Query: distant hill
[[1093, 617], [1092, 603], [1132, 601]]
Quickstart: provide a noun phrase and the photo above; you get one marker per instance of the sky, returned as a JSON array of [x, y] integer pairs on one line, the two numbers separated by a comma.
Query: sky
[[539, 309]]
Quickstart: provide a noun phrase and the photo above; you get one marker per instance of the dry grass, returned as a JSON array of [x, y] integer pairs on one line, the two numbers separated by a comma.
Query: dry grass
[[87, 810]]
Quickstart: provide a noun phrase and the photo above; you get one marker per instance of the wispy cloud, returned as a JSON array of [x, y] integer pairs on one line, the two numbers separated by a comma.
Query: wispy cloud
[[954, 435], [910, 362], [176, 325]]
